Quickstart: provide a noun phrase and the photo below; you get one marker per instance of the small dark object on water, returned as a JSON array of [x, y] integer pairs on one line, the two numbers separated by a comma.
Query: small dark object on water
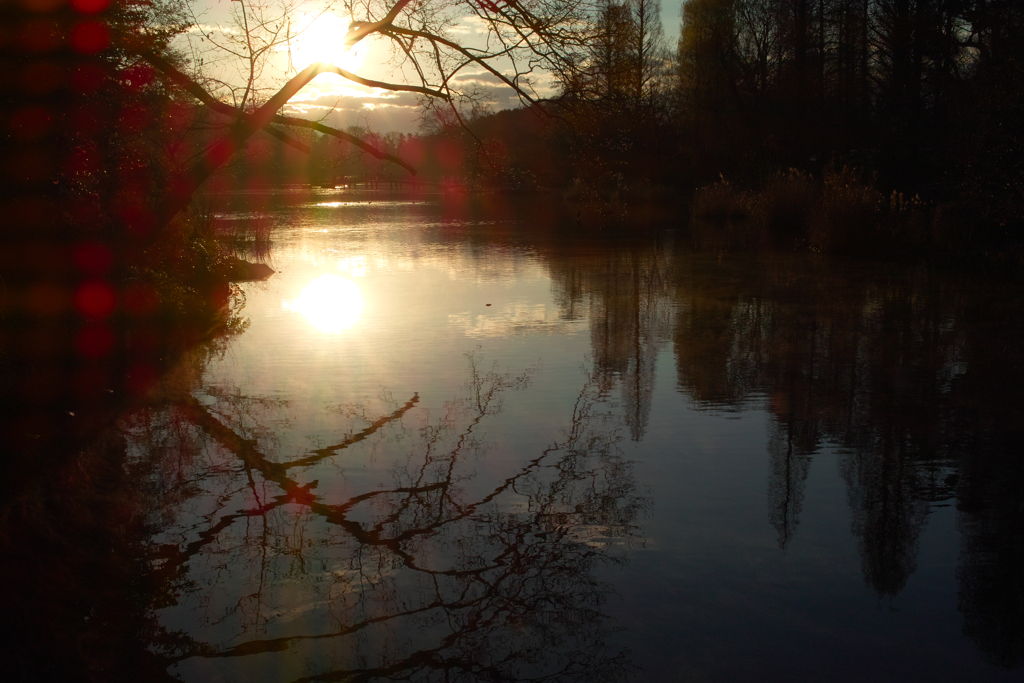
[[488, 304], [244, 271]]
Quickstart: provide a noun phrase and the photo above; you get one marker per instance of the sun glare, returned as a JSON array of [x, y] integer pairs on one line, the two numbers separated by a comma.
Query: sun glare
[[320, 38], [330, 303]]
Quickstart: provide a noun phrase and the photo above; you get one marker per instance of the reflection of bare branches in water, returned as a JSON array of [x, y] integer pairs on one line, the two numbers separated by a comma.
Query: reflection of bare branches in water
[[442, 574], [788, 466], [622, 291]]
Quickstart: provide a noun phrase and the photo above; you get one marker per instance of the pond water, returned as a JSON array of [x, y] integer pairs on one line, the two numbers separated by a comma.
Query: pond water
[[459, 443]]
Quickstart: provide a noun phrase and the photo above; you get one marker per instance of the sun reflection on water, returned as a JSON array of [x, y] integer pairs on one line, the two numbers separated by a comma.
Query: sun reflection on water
[[330, 303]]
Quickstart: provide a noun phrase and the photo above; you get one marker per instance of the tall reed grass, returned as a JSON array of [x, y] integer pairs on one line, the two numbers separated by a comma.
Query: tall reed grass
[[246, 238]]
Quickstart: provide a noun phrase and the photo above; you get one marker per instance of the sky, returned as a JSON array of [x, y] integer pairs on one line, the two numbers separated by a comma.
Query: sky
[[334, 100]]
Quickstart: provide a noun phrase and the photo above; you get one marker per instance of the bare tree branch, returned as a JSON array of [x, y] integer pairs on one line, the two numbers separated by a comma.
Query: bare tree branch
[[463, 51], [287, 139], [538, 36], [341, 135], [385, 86]]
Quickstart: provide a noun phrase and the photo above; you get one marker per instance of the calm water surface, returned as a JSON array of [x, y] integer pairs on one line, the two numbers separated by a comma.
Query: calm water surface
[[450, 446]]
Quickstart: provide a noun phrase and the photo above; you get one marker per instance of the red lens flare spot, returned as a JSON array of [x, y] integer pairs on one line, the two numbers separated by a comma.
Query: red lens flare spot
[[449, 155], [90, 6], [95, 299], [88, 78], [90, 37], [180, 186], [140, 300], [413, 151], [94, 341], [221, 151], [93, 258], [134, 118]]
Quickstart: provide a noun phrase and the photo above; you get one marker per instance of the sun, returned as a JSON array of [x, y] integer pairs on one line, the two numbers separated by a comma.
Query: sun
[[330, 303], [320, 38]]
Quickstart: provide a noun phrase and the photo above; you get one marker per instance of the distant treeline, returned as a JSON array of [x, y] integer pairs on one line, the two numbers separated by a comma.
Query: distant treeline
[[921, 97]]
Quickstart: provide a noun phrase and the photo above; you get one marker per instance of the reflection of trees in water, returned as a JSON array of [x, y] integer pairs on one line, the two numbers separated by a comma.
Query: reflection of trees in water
[[841, 359], [916, 374], [624, 291], [718, 336], [887, 517], [912, 374], [988, 427], [436, 574], [788, 466], [991, 574], [899, 372], [740, 337], [706, 361], [908, 344]]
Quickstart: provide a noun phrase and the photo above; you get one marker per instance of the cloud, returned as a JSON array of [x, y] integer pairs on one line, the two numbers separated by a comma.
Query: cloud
[[340, 103], [211, 28], [353, 102], [393, 112], [482, 77], [469, 25]]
